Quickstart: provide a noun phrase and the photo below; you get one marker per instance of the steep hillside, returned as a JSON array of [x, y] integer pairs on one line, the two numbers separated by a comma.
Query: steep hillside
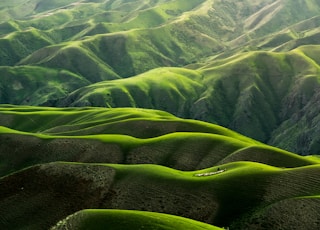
[[259, 94], [142, 35], [36, 85], [253, 65]]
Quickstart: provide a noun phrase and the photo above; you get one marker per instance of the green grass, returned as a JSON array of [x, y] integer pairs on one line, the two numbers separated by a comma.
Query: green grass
[[253, 93], [76, 119], [126, 135], [67, 57], [52, 52], [36, 85], [261, 89], [19, 44], [159, 86], [250, 185], [123, 219], [254, 187], [156, 16]]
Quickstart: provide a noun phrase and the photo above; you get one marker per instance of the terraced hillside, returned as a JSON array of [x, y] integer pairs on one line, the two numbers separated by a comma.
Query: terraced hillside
[[74, 159]]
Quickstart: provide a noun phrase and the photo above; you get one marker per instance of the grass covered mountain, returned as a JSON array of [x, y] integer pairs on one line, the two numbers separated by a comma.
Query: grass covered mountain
[[227, 56], [75, 159], [135, 97], [263, 95]]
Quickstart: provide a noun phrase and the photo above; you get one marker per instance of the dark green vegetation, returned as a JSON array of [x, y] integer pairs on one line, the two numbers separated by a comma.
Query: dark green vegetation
[[72, 159], [251, 66]]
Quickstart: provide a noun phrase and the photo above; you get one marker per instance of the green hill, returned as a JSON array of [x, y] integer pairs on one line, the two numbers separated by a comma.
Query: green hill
[[114, 159], [33, 135], [259, 94], [120, 114], [36, 85], [237, 51], [120, 219], [67, 188]]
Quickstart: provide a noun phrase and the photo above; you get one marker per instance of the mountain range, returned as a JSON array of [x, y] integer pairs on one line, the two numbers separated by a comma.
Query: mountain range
[[229, 56], [164, 106]]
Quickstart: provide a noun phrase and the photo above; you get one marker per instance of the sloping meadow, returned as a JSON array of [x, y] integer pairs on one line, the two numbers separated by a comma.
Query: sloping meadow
[[144, 96], [160, 163]]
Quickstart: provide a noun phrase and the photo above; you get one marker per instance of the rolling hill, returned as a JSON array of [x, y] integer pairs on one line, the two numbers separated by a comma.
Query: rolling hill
[[159, 114], [118, 53], [73, 159], [66, 188], [259, 94], [123, 219]]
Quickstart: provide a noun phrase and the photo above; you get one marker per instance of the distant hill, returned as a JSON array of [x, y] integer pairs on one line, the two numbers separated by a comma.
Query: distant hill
[[263, 95], [228, 56]]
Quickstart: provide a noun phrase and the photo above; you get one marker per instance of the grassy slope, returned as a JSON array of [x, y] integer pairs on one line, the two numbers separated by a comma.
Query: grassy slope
[[287, 209], [53, 135], [155, 33], [75, 58], [264, 193], [257, 86], [19, 44], [125, 135], [73, 120], [36, 85], [211, 199], [103, 135], [254, 93], [106, 38], [169, 89], [121, 219]]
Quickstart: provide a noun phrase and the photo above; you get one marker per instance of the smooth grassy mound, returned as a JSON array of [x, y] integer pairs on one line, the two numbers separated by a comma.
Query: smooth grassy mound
[[123, 219], [95, 120], [33, 135], [123, 135], [169, 89]]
